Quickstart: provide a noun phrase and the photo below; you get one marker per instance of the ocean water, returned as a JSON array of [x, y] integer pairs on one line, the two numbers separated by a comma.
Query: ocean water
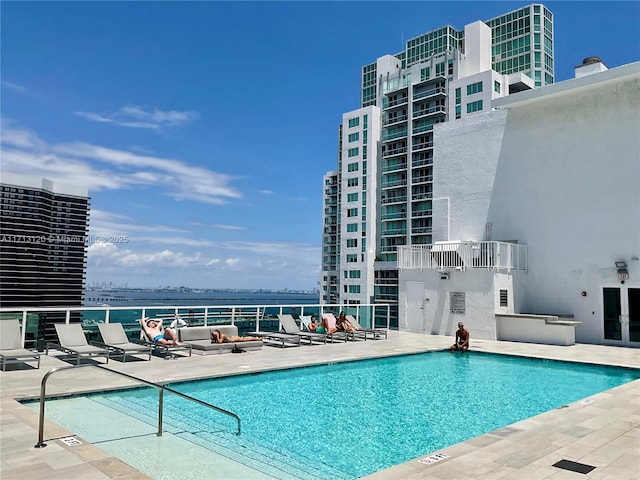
[[117, 298], [154, 301]]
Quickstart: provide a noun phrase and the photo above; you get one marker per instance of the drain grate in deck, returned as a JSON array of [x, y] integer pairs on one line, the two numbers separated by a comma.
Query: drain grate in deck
[[574, 466]]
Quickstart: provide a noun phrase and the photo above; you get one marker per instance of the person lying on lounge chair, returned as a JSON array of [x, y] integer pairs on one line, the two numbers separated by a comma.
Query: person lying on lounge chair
[[218, 337], [313, 325], [344, 325], [153, 329]]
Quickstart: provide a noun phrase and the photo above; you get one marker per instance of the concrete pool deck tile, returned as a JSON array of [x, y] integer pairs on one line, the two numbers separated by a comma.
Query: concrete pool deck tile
[[571, 433]]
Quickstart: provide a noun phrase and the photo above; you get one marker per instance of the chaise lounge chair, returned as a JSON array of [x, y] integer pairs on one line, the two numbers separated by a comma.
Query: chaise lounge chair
[[278, 338], [115, 339], [164, 350], [332, 322], [11, 350], [291, 327], [73, 342], [376, 333]]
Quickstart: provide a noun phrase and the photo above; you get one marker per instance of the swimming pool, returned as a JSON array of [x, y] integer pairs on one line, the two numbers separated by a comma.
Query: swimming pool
[[338, 421]]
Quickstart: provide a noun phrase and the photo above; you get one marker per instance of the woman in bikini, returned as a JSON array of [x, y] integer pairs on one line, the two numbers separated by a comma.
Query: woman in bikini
[[218, 337]]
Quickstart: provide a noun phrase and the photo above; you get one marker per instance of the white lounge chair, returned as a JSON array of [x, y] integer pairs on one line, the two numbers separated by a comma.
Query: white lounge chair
[[73, 342], [376, 333], [166, 351], [115, 339], [290, 326], [11, 350], [332, 323]]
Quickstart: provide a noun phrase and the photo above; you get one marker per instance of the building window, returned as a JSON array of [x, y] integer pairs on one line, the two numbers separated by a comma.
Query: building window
[[440, 69], [352, 227], [352, 212], [458, 96], [496, 86], [352, 182], [354, 273], [354, 122], [352, 258], [354, 137], [504, 298], [352, 242], [354, 288], [474, 88], [424, 73], [474, 106], [352, 167], [458, 112], [352, 197], [450, 68], [365, 118], [364, 152], [353, 152]]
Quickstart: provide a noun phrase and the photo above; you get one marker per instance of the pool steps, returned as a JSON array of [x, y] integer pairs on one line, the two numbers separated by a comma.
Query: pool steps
[[269, 459]]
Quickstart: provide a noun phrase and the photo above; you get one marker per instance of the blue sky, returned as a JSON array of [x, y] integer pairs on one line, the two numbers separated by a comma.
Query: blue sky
[[202, 129]]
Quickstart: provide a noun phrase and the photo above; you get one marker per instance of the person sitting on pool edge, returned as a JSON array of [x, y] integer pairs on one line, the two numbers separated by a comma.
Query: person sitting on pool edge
[[462, 339], [218, 337], [162, 336]]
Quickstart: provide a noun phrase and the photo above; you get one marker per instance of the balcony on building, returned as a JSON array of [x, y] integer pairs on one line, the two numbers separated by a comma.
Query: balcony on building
[[459, 255], [393, 118], [397, 150], [393, 180], [394, 133], [420, 144], [423, 91], [425, 158], [415, 179], [395, 100], [394, 164], [429, 111]]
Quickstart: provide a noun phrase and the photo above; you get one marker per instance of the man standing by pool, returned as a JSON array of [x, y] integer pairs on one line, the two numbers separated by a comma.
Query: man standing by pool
[[462, 339]]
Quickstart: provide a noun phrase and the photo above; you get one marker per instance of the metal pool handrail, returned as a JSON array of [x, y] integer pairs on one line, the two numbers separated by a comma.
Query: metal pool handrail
[[161, 390]]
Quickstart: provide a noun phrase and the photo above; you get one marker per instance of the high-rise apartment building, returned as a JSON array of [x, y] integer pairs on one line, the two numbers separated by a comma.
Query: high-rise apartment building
[[381, 195], [43, 232]]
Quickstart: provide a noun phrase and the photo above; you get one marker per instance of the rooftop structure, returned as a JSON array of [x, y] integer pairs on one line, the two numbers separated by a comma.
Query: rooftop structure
[[534, 174]]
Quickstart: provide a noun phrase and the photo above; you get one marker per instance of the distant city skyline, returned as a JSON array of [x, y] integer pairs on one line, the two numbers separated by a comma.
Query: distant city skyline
[[203, 129]]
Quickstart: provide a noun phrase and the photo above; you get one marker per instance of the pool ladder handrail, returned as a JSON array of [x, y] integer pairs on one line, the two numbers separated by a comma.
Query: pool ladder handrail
[[161, 390]]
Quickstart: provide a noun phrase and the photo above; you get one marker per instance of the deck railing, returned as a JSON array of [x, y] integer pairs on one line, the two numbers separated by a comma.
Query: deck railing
[[247, 318], [500, 256]]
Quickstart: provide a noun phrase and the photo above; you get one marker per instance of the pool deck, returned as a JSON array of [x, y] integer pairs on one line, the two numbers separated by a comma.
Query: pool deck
[[602, 431]]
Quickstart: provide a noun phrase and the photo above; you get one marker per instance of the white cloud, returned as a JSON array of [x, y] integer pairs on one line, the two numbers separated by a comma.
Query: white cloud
[[14, 86], [97, 168], [228, 264], [134, 116]]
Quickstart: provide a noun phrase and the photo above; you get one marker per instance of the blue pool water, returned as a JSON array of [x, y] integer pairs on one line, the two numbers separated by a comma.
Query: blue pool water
[[347, 420]]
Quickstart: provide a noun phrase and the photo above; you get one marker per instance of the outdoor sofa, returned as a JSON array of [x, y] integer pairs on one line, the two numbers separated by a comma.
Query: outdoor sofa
[[199, 338]]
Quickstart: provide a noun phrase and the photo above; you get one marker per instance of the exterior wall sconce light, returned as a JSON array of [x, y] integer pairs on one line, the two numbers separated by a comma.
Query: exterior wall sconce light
[[444, 275], [623, 273]]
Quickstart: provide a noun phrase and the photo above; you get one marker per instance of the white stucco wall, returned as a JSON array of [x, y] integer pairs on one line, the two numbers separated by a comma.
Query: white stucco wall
[[480, 294], [557, 170], [567, 186], [464, 173]]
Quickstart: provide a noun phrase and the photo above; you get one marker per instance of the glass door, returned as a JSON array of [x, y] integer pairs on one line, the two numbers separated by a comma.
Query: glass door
[[621, 315], [633, 304], [612, 312]]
